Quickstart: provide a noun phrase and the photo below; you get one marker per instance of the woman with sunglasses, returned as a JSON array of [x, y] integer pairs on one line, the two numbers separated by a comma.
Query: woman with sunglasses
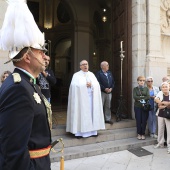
[[141, 96], [152, 119]]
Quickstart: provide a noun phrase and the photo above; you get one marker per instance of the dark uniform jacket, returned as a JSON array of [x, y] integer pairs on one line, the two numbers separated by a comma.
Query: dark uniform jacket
[[45, 83], [105, 81], [23, 125]]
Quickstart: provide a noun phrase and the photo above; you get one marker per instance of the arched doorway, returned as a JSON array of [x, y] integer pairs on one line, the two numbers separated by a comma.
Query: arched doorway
[[93, 38], [61, 36], [63, 64]]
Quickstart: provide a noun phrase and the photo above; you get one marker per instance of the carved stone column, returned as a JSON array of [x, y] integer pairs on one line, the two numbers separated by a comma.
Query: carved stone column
[[156, 65]]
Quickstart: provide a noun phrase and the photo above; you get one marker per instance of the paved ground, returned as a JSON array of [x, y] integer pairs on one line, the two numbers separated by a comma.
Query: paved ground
[[123, 160]]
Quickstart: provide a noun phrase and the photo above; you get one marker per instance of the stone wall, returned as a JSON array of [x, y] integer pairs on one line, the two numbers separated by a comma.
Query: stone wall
[[150, 39], [165, 30], [148, 58]]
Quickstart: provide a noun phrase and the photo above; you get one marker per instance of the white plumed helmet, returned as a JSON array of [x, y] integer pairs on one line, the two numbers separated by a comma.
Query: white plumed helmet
[[19, 29]]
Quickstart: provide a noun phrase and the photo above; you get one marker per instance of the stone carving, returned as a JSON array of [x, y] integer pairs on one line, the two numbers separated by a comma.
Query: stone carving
[[165, 16]]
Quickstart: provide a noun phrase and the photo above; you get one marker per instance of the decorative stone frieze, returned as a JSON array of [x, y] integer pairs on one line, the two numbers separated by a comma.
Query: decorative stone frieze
[[165, 16]]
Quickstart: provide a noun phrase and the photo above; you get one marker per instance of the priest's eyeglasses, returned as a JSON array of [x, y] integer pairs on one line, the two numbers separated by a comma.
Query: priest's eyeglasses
[[85, 64]]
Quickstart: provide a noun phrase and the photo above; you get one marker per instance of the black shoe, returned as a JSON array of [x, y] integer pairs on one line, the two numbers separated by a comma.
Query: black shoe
[[109, 121], [165, 143], [79, 137]]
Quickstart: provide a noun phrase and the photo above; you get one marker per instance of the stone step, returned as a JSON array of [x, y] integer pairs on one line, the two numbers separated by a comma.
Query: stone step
[[119, 136], [103, 136], [101, 148], [125, 123]]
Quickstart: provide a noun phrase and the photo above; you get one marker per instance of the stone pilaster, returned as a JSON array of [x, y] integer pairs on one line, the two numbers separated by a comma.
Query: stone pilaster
[[138, 39], [156, 65]]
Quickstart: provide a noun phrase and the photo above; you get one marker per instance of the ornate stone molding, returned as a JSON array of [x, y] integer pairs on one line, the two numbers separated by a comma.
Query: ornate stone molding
[[165, 16]]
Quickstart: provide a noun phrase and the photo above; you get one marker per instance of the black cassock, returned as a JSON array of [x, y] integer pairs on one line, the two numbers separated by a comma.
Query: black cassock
[[23, 125]]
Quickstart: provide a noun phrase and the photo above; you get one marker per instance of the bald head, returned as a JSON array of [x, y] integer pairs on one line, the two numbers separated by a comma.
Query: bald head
[[104, 66], [165, 79]]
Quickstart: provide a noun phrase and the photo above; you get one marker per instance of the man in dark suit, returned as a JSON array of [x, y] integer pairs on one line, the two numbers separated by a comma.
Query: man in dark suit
[[25, 137], [106, 81], [46, 79]]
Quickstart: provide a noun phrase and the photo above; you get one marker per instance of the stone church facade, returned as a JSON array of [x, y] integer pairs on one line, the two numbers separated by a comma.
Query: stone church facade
[[80, 33]]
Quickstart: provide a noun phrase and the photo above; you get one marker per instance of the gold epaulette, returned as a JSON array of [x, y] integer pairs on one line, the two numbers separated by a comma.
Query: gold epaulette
[[16, 77]]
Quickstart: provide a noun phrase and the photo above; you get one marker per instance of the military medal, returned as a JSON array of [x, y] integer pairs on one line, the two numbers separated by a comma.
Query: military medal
[[31, 80], [37, 98]]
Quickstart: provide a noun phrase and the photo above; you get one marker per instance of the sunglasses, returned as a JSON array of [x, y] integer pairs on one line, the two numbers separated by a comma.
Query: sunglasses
[[142, 80], [149, 81]]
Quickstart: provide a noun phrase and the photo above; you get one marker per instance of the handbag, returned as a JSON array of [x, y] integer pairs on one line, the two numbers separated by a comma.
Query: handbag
[[166, 113], [146, 106]]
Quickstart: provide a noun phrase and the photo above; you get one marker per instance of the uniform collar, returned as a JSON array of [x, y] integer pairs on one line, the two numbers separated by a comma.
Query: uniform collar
[[30, 75]]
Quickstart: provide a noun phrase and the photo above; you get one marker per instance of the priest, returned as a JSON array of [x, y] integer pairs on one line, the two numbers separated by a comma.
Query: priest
[[85, 110]]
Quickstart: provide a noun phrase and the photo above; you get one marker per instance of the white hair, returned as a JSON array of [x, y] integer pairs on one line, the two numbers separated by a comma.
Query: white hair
[[103, 63], [82, 61], [149, 77], [165, 83]]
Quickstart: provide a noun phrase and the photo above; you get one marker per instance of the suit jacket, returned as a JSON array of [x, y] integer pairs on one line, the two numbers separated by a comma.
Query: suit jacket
[[105, 81], [23, 125], [45, 83]]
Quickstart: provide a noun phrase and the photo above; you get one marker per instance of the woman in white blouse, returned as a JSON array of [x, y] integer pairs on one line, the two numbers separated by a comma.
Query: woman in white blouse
[[163, 100]]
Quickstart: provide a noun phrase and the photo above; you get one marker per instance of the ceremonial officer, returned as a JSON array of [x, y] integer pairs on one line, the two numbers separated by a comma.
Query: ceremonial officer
[[25, 138]]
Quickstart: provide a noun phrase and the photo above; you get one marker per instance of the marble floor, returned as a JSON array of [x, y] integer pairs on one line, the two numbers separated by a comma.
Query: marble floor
[[122, 160]]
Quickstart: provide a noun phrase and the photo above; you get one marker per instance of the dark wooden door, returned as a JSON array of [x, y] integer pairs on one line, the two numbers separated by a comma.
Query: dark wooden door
[[122, 31]]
